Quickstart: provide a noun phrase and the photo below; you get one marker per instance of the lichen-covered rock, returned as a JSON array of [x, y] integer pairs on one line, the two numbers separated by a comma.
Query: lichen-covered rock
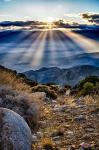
[[14, 131]]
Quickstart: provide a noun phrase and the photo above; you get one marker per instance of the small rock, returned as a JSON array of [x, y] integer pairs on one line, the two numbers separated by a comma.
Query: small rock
[[68, 92], [71, 148], [53, 101], [85, 146], [39, 134], [80, 119], [89, 129], [58, 133], [56, 138], [42, 124], [59, 108], [69, 134], [34, 138]]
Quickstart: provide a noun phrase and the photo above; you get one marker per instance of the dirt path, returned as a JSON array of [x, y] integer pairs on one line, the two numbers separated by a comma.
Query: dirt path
[[69, 121]]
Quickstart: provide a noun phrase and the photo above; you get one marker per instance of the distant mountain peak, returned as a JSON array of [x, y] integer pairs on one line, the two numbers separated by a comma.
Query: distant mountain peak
[[63, 76]]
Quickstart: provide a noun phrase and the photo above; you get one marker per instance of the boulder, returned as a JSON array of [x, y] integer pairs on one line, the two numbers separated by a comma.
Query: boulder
[[14, 131]]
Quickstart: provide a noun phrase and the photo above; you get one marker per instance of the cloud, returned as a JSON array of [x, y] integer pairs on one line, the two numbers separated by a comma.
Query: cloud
[[12, 25], [75, 18], [15, 23], [94, 18]]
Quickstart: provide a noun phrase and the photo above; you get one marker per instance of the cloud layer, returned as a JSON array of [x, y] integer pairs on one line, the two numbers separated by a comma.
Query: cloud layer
[[94, 18]]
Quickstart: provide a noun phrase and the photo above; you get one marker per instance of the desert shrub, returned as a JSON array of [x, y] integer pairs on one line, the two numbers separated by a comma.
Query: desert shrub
[[91, 79], [43, 88], [89, 85], [87, 88], [52, 94], [23, 104], [47, 144], [40, 88], [54, 87], [30, 82]]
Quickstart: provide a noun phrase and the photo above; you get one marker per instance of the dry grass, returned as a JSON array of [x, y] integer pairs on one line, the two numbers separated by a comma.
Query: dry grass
[[9, 78], [45, 144], [17, 95], [24, 105]]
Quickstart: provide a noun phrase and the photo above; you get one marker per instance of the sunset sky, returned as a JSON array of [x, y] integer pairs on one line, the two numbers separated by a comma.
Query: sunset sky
[[45, 9]]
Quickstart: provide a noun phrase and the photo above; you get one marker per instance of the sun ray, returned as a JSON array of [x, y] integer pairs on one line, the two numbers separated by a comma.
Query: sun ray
[[39, 51], [89, 45], [53, 49], [14, 50], [72, 46], [65, 47], [28, 53], [17, 41]]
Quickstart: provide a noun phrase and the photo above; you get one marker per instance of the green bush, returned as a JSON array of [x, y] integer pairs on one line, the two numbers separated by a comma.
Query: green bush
[[89, 85], [91, 79], [87, 88]]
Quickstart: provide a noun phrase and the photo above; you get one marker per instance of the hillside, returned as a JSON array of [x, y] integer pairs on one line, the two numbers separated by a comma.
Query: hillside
[[58, 121], [62, 76], [15, 80]]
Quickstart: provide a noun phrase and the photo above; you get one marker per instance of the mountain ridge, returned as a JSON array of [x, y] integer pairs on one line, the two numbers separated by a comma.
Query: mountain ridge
[[62, 76]]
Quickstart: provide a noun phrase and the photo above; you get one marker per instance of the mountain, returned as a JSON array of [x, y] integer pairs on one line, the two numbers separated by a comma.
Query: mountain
[[62, 76]]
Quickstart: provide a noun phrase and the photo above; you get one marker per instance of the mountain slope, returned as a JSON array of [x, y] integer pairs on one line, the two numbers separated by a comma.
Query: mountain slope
[[62, 76], [16, 81]]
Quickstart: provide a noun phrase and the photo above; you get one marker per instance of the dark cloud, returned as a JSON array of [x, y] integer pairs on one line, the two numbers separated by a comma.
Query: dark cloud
[[91, 17], [21, 25], [17, 23]]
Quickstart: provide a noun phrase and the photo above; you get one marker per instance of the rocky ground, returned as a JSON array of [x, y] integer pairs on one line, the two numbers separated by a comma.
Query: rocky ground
[[68, 124]]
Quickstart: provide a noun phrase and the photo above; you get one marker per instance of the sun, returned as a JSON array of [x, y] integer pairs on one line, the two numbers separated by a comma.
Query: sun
[[49, 22]]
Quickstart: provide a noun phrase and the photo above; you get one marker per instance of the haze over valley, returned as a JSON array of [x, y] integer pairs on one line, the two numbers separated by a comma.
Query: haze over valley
[[25, 50]]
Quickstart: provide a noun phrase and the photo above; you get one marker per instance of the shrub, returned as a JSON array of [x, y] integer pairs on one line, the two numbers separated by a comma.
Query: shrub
[[91, 79], [89, 85], [23, 104], [54, 87], [47, 144], [43, 88], [87, 88], [51, 94]]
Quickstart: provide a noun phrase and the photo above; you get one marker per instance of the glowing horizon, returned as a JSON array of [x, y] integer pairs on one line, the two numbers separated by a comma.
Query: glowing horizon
[[70, 10]]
